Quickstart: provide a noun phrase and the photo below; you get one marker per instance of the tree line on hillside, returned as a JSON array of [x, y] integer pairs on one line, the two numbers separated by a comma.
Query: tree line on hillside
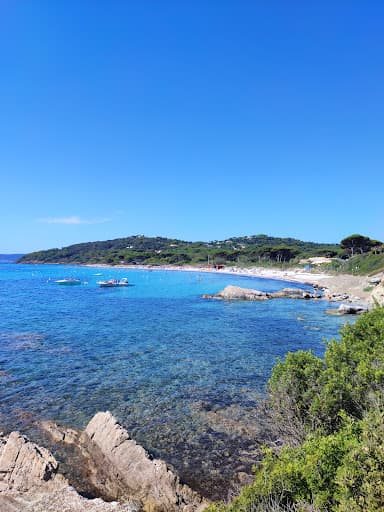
[[158, 250], [359, 244], [362, 255], [250, 250]]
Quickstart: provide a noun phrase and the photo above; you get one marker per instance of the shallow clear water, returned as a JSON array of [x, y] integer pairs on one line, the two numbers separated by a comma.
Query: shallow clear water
[[151, 353]]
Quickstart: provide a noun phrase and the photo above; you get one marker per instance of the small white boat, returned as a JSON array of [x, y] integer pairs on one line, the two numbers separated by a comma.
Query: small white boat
[[69, 282], [112, 283]]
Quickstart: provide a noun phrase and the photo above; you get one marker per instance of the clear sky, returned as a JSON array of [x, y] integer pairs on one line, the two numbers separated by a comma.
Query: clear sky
[[195, 119]]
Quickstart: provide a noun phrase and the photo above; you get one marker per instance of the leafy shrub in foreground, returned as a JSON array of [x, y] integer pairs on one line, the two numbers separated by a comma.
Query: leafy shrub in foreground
[[333, 411], [360, 480], [307, 390]]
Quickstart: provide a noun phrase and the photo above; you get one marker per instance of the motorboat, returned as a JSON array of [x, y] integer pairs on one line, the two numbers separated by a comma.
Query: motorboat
[[113, 283], [68, 281]]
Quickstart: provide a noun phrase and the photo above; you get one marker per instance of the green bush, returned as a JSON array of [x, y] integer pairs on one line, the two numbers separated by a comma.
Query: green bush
[[360, 479], [293, 389], [333, 411]]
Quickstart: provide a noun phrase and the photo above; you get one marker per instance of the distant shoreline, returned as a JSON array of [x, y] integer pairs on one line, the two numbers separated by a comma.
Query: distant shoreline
[[352, 287], [340, 287]]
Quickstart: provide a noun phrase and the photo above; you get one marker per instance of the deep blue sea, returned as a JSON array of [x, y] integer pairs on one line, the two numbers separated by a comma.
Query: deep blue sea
[[166, 362]]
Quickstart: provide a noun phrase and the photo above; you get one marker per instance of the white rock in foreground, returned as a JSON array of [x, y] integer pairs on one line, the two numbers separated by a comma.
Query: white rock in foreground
[[127, 469], [24, 465], [117, 466], [29, 482]]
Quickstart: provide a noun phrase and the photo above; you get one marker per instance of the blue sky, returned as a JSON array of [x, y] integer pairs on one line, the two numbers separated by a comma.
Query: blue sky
[[194, 119]]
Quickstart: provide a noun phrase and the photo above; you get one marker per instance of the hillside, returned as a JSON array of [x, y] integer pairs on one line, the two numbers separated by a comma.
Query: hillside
[[360, 264], [139, 249]]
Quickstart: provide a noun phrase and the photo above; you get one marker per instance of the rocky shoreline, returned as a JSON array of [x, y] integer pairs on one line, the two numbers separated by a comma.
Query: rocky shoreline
[[237, 293], [117, 467], [365, 290]]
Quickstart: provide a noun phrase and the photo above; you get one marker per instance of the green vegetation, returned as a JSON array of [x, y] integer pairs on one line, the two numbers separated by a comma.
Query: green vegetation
[[356, 254], [362, 256], [360, 264], [330, 414], [356, 244], [260, 250]]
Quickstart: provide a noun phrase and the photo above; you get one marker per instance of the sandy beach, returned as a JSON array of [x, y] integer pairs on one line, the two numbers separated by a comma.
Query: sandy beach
[[342, 284]]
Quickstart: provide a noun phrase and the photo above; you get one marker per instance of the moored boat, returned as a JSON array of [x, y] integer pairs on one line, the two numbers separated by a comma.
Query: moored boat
[[112, 283], [68, 281]]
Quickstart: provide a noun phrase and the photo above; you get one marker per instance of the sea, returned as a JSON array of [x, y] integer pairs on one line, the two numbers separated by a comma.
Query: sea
[[182, 373]]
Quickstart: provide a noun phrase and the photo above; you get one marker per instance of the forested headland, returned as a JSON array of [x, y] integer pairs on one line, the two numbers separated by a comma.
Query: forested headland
[[354, 254]]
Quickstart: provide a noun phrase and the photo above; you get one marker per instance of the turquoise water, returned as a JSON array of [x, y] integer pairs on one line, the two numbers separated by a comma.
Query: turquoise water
[[155, 354]]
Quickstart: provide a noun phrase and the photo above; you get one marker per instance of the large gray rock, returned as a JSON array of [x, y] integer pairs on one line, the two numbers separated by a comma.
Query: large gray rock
[[292, 293], [128, 471], [30, 482], [24, 465], [116, 464], [64, 499], [348, 309], [352, 309], [237, 293]]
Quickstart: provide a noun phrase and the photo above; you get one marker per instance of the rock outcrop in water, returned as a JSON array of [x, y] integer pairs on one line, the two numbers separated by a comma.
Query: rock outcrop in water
[[116, 464], [237, 293], [348, 309]]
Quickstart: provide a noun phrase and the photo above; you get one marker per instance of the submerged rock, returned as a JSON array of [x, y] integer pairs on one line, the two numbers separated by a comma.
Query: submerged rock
[[60, 434]]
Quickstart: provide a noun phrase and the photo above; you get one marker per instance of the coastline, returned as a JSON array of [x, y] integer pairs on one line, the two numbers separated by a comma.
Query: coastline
[[352, 288], [222, 420], [336, 287]]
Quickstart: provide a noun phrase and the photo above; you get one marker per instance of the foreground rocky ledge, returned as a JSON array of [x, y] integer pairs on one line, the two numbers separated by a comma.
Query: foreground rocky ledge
[[30, 480]]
